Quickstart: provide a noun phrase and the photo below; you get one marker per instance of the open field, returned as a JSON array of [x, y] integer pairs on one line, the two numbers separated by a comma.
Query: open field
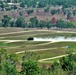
[[16, 42], [9, 29], [23, 35]]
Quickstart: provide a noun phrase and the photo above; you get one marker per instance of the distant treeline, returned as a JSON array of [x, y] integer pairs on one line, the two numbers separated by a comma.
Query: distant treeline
[[33, 22], [40, 3]]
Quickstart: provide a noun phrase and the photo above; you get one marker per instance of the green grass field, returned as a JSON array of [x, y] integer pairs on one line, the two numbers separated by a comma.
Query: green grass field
[[43, 49]]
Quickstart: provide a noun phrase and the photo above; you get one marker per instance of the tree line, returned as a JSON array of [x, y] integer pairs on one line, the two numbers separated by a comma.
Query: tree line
[[42, 3], [33, 22], [29, 66], [36, 3]]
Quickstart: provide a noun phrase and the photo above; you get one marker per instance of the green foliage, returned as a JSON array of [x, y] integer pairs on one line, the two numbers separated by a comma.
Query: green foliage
[[65, 66], [14, 7], [74, 12], [53, 12], [68, 62], [2, 5], [64, 12], [42, 24], [15, 1], [68, 15], [41, 4], [12, 24], [20, 22], [6, 21], [73, 24], [29, 64], [30, 11], [8, 1], [30, 68], [55, 65], [46, 9], [10, 69], [22, 4], [63, 24], [21, 13], [33, 22], [7, 63], [45, 71], [48, 24], [8, 9]]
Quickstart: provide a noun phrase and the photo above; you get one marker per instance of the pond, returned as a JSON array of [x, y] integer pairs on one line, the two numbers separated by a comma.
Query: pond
[[56, 39]]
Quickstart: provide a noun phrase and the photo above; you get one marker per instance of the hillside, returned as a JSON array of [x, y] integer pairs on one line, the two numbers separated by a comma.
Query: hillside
[[37, 12], [37, 37]]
